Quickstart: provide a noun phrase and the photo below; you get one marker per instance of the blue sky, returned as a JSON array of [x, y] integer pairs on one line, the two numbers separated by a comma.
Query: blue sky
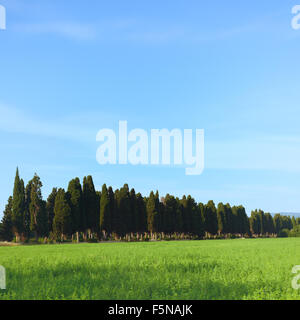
[[69, 69]]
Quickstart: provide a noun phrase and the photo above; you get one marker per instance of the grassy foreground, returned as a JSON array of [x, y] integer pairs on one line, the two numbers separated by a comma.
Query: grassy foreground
[[215, 269]]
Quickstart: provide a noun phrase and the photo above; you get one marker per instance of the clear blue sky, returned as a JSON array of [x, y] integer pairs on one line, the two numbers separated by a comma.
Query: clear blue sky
[[70, 68]]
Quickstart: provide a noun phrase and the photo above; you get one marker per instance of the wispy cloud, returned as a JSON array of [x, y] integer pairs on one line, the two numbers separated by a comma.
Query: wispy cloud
[[132, 30], [73, 30], [17, 121]]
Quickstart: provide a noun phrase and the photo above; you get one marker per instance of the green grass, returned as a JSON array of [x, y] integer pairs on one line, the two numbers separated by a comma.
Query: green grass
[[215, 269]]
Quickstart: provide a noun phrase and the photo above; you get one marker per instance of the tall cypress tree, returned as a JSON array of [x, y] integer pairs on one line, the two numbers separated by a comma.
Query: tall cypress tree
[[125, 209], [105, 211], [90, 205], [6, 231], [210, 216], [244, 221], [228, 228], [50, 208], [255, 222], [198, 220], [134, 215], [151, 211], [221, 215], [269, 223], [112, 208], [18, 207], [37, 209], [27, 231], [142, 214], [75, 198], [62, 223], [186, 216]]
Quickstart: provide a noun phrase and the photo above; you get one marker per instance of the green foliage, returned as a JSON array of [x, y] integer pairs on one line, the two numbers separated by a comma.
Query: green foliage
[[91, 204], [282, 222], [62, 215], [105, 210], [284, 233], [123, 214], [18, 206], [50, 208], [6, 227], [37, 208], [210, 218], [221, 215], [151, 211], [295, 232], [76, 204]]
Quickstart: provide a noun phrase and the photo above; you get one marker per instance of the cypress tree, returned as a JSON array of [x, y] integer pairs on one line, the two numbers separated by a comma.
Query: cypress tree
[[6, 231], [210, 216], [235, 220], [269, 224], [116, 224], [27, 232], [221, 216], [185, 225], [124, 210], [37, 209], [18, 207], [261, 215], [157, 222], [255, 222], [201, 209], [62, 222], [134, 219], [151, 211], [245, 226], [229, 219], [294, 222], [50, 208], [75, 201], [142, 214], [200, 222], [90, 206], [112, 208], [105, 211]]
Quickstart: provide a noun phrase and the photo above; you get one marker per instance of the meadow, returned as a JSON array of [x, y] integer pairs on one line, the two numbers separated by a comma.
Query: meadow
[[211, 269]]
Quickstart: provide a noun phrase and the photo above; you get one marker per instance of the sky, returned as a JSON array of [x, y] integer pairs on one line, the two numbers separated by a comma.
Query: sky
[[71, 68]]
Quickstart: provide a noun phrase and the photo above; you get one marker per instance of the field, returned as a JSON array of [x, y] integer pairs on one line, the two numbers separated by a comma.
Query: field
[[212, 269]]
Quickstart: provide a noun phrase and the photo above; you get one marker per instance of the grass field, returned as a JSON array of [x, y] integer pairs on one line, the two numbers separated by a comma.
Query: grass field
[[213, 269]]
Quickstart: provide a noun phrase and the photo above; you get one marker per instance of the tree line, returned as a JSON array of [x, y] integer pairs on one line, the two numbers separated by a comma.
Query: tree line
[[82, 213]]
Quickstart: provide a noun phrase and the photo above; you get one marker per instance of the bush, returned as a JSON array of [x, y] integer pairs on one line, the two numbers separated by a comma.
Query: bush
[[284, 233], [93, 240], [295, 232], [232, 236]]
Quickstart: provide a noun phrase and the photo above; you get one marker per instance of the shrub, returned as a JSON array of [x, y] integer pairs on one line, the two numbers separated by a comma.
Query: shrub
[[284, 233], [295, 232], [93, 240]]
